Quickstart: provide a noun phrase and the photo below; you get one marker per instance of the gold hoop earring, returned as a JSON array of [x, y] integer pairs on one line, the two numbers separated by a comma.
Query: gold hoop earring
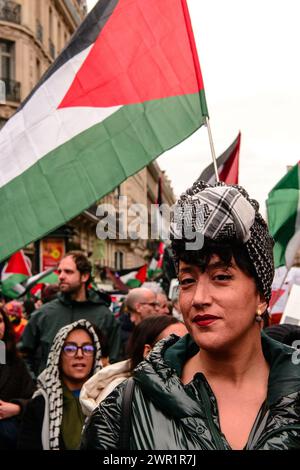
[[258, 316]]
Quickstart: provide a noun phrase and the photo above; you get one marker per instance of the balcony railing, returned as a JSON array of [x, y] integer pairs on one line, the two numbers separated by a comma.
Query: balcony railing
[[51, 49], [10, 11], [12, 90], [39, 31]]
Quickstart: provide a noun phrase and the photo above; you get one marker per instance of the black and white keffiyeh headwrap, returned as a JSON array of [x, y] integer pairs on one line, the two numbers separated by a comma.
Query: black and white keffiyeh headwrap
[[224, 212], [50, 381]]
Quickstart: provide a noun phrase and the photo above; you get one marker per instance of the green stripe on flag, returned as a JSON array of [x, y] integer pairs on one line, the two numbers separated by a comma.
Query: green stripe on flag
[[10, 284], [69, 179], [283, 206]]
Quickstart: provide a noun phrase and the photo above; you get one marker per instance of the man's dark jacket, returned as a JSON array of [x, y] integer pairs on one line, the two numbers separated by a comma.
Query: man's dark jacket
[[45, 323]]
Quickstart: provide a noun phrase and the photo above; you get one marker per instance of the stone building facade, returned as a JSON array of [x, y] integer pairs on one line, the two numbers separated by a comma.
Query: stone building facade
[[117, 251]]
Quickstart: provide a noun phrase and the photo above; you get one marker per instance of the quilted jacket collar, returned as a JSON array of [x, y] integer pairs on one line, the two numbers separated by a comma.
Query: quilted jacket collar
[[159, 375]]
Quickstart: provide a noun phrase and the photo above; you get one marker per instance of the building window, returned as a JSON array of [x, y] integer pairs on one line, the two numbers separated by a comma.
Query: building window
[[39, 27], [119, 260], [39, 31], [7, 59], [7, 70], [51, 44]]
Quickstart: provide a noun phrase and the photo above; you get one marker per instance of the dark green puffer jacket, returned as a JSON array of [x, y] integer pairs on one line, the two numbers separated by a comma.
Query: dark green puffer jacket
[[167, 415]]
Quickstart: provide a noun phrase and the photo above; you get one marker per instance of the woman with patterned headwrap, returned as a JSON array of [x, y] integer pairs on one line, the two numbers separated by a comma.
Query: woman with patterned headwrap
[[225, 385], [53, 419]]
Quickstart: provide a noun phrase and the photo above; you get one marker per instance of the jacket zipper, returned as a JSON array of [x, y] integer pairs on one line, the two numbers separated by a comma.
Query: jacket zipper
[[212, 426], [277, 431]]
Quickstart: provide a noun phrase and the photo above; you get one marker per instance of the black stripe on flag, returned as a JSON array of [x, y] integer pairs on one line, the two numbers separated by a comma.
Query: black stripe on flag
[[208, 174], [85, 35]]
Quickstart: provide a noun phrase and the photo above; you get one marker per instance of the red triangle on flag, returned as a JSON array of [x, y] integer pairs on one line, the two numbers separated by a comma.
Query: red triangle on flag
[[143, 53], [17, 264], [276, 294], [230, 170], [141, 275]]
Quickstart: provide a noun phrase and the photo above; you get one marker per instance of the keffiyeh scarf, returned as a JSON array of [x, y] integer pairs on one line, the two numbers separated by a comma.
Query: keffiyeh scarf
[[49, 380]]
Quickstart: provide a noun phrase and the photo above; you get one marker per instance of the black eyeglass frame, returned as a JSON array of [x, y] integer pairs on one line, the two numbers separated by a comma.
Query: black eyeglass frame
[[86, 353]]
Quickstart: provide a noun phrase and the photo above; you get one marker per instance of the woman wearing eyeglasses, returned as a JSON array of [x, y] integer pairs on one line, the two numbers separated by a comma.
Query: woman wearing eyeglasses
[[53, 418]]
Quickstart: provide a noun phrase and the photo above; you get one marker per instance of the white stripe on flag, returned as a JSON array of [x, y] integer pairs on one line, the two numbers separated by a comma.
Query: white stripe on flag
[[128, 277], [40, 127]]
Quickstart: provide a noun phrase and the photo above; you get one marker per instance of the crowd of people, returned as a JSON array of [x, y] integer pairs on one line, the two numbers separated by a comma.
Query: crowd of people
[[206, 370], [55, 343]]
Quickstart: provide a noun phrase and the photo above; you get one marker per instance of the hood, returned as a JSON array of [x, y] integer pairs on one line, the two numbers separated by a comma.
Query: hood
[[49, 380], [100, 385], [52, 367]]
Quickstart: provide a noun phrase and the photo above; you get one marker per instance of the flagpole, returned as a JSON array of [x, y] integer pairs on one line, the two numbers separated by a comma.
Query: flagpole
[[212, 149], [284, 279], [280, 287]]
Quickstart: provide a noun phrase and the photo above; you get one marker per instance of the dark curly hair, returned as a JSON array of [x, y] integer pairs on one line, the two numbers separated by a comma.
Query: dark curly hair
[[147, 332], [82, 263]]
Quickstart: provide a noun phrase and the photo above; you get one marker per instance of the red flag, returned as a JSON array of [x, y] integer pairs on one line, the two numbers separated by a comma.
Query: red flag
[[14, 273], [161, 249], [18, 264], [227, 163], [142, 274]]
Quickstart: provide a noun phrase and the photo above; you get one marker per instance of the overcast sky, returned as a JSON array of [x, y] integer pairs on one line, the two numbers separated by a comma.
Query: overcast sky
[[250, 61]]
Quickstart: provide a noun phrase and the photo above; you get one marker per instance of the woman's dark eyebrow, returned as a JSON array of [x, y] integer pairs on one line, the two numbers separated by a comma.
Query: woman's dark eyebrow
[[210, 267], [187, 269], [220, 265]]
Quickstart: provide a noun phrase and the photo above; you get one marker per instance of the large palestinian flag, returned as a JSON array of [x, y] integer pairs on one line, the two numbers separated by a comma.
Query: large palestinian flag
[[227, 165], [126, 88]]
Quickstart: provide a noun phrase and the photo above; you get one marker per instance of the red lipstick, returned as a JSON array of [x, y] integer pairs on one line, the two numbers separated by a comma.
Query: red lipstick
[[204, 320]]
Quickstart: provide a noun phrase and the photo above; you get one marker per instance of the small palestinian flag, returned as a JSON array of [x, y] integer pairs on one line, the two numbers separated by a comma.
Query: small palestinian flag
[[126, 88], [227, 164], [133, 277], [36, 282], [14, 273]]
